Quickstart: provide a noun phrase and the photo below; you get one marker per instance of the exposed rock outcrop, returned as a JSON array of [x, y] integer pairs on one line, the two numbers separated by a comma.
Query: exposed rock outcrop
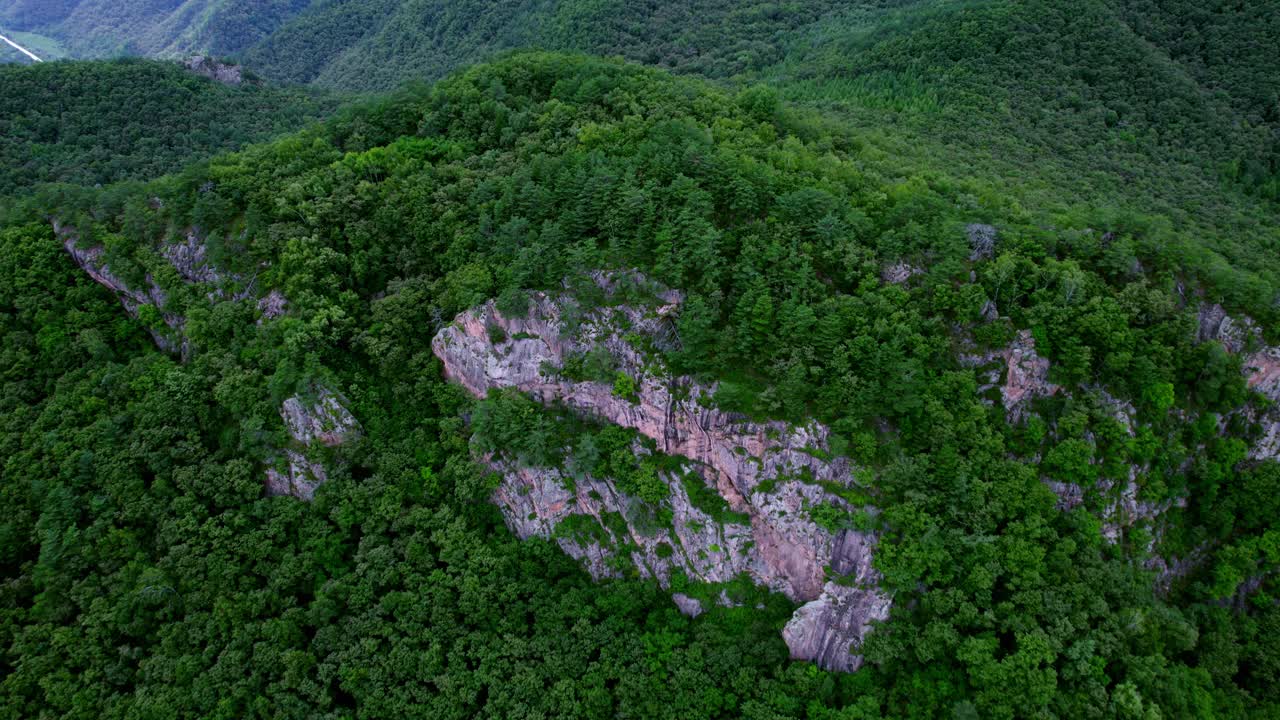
[[1260, 363], [272, 305], [300, 478], [688, 605], [92, 261], [982, 241], [189, 257], [826, 629], [1125, 509], [536, 501], [324, 419], [899, 273], [225, 73], [1022, 374], [771, 472], [1026, 377]]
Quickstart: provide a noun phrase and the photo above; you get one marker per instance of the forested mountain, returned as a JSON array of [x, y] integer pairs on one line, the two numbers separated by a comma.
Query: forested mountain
[[822, 360], [381, 43], [100, 122], [157, 28], [1140, 98]]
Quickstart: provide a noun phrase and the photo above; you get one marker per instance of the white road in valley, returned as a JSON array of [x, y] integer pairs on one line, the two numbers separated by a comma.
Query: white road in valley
[[21, 49]]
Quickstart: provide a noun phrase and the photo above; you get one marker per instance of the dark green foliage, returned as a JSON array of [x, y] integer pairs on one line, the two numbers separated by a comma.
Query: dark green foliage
[[149, 576], [377, 44], [101, 122]]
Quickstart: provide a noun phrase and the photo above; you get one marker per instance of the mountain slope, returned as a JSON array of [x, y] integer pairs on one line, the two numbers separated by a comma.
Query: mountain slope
[[101, 122], [154, 28], [933, 342], [363, 44], [1067, 95], [1039, 409]]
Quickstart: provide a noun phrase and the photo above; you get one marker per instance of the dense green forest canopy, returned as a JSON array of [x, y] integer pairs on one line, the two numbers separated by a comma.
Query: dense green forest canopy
[[1148, 104], [777, 162], [148, 577], [103, 28], [99, 122]]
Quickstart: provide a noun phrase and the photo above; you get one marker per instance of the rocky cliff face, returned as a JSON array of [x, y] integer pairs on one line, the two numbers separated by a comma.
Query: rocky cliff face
[[1022, 376], [90, 259], [1260, 363], [323, 419], [225, 73], [1018, 370], [1026, 376], [769, 472], [536, 501], [189, 257]]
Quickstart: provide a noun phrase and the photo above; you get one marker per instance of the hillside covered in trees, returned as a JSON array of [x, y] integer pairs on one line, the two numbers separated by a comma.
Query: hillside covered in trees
[[828, 360], [1138, 100], [100, 122]]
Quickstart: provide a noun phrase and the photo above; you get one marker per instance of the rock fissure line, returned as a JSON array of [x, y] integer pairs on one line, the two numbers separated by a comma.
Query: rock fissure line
[[757, 471]]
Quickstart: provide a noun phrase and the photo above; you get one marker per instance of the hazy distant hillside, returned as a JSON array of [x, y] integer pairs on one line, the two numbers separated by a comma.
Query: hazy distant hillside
[[1100, 80], [96, 28], [380, 43]]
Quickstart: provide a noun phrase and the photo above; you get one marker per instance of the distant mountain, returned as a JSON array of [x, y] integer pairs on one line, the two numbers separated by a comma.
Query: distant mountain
[[97, 28]]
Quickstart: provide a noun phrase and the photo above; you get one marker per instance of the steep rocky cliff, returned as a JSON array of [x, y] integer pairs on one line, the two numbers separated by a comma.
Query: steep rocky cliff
[[91, 260], [1261, 366], [771, 473], [225, 73], [1021, 375], [188, 256], [322, 418]]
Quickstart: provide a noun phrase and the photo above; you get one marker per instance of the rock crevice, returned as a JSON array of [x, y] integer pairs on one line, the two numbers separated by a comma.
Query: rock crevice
[[772, 473], [323, 417]]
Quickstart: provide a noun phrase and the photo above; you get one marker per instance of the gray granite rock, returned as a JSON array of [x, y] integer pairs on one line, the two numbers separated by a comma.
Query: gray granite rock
[[770, 472]]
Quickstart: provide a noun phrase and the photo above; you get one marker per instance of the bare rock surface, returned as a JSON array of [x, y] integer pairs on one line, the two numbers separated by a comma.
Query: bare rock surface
[[301, 478], [1021, 374], [688, 605], [1125, 509], [272, 305], [92, 261], [1026, 377], [322, 418], [827, 630], [982, 241], [770, 472], [225, 73], [1261, 366], [189, 257], [900, 272], [536, 500]]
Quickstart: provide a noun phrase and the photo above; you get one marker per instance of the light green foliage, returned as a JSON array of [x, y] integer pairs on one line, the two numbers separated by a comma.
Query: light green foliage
[[710, 501], [625, 387]]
